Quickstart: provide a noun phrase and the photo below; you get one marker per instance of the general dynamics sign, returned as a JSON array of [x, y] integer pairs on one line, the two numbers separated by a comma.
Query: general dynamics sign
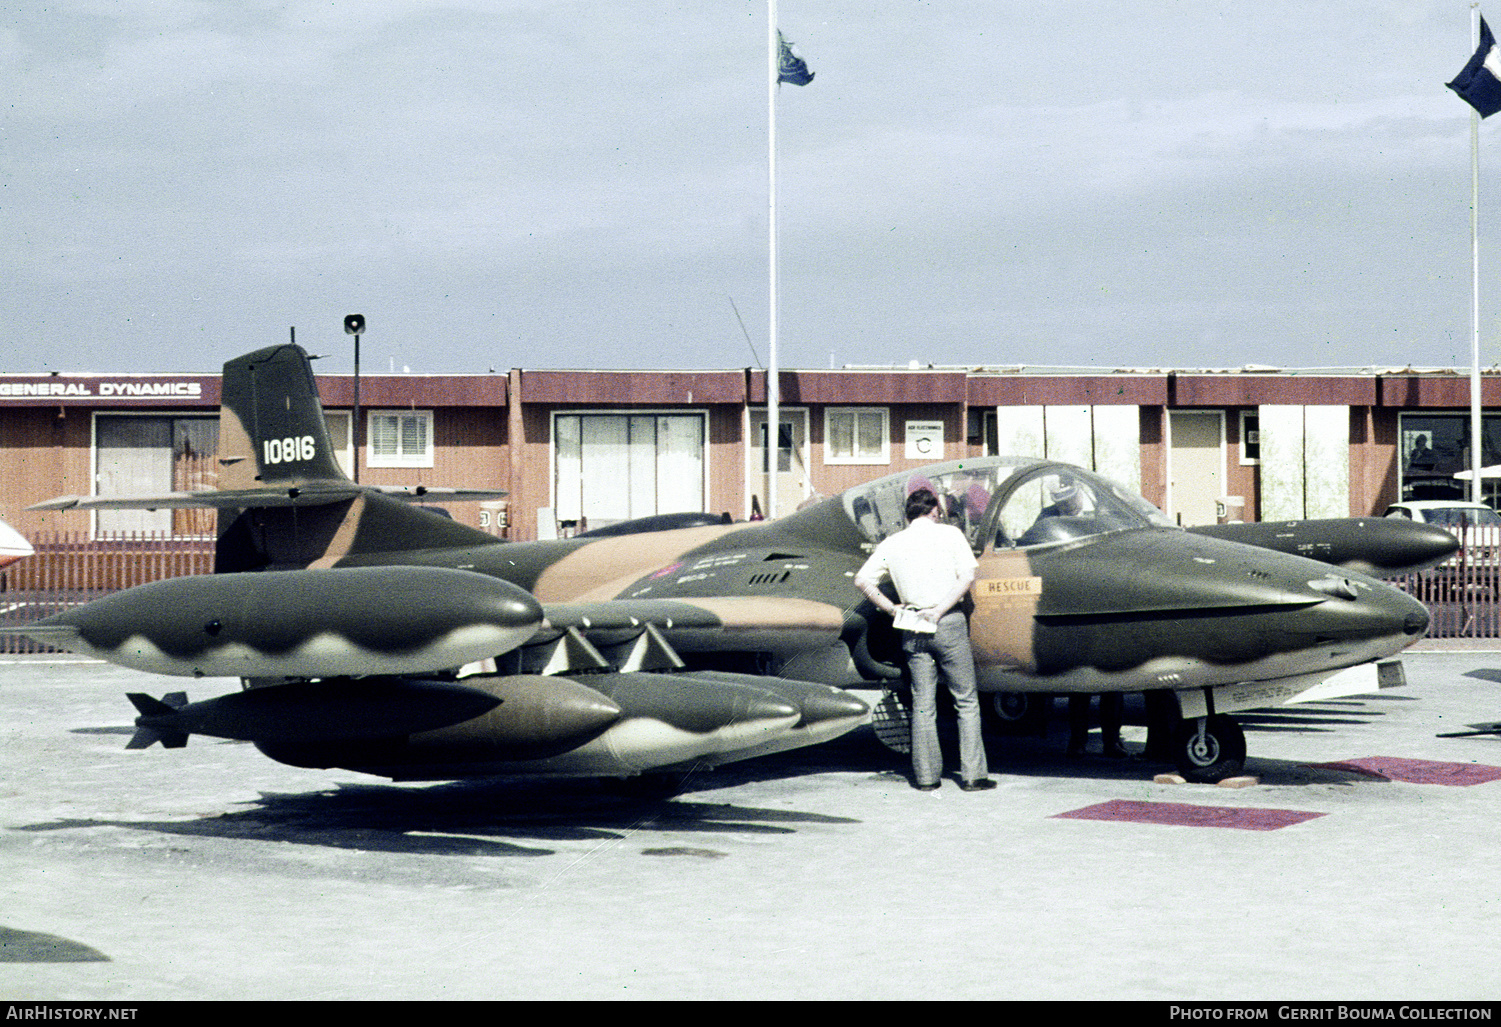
[[51, 389]]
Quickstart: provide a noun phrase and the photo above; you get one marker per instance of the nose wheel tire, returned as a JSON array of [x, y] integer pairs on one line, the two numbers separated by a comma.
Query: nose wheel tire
[[1218, 752]]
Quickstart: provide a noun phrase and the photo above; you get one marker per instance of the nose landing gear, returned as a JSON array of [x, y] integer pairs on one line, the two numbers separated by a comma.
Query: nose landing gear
[[1209, 749]]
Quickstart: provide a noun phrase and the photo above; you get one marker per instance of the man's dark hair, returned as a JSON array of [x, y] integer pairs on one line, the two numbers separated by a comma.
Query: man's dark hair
[[921, 503]]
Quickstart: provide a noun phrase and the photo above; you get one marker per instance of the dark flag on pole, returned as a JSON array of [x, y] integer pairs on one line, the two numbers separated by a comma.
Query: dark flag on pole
[[1479, 84], [795, 70]]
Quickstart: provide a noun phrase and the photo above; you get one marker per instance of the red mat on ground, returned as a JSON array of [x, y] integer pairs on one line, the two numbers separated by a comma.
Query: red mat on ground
[[1418, 772], [1190, 816]]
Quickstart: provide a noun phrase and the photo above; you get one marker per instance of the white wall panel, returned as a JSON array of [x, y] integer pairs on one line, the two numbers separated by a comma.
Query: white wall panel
[[1117, 444], [1326, 461], [1281, 462], [1019, 432], [1068, 435]]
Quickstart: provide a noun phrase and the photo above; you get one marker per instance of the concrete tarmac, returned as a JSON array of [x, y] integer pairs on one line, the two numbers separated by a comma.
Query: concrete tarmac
[[211, 872]]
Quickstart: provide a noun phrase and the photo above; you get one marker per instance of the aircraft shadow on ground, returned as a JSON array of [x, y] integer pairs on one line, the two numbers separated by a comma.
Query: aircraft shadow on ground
[[471, 818], [1044, 753], [517, 817], [1046, 756], [1309, 718], [18, 946]]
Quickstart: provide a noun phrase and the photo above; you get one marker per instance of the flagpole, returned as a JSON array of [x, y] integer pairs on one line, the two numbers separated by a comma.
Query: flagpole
[[1475, 410], [773, 448]]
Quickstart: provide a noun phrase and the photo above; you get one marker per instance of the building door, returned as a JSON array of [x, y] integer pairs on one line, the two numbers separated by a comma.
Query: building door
[[794, 484], [615, 467], [136, 454], [1195, 465]]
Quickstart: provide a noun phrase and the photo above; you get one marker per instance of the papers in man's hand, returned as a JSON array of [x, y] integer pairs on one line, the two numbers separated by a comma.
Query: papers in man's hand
[[907, 618]]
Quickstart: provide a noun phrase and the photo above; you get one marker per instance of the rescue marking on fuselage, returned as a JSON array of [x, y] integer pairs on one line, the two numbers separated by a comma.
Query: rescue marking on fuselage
[[1002, 589]]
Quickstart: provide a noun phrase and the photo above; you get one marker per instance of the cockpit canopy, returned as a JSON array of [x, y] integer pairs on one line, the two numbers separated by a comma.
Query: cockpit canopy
[[1005, 502]]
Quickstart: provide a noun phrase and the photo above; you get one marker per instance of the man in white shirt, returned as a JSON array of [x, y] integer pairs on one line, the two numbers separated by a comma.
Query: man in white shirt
[[932, 567]]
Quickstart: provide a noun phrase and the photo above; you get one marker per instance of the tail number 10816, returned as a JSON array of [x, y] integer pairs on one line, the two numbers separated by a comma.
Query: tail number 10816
[[288, 450]]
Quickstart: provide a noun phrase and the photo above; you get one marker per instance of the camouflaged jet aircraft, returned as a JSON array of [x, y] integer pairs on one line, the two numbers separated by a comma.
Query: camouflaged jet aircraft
[[374, 635]]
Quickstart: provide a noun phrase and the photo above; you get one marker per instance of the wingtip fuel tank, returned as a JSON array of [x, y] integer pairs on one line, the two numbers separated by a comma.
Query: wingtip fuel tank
[[1378, 546], [305, 623]]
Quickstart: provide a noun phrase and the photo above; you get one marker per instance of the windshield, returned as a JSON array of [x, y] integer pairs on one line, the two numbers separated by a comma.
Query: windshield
[[964, 490], [1462, 516], [1015, 502], [1061, 504]]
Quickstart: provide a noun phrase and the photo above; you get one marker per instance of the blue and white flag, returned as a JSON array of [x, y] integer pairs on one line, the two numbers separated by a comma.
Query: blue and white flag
[[1479, 84], [790, 68]]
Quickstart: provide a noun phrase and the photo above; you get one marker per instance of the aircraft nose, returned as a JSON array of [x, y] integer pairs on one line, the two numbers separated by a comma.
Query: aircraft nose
[[1415, 623], [1362, 608]]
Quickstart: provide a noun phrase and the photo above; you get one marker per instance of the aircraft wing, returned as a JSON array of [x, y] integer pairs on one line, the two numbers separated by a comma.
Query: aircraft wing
[[648, 634], [773, 624], [311, 494]]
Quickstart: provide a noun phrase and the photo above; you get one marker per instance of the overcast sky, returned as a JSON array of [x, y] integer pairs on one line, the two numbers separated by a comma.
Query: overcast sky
[[545, 183]]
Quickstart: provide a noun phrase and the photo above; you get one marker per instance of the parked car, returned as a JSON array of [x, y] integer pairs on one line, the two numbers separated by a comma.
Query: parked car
[[1446, 513], [1470, 574]]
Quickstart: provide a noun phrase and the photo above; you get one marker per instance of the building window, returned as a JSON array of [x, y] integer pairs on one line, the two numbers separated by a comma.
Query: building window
[[400, 438], [856, 435], [616, 467], [1433, 448], [1250, 437], [339, 435], [147, 455]]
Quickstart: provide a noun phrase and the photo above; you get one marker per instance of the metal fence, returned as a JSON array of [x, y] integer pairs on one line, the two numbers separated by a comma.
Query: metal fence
[[1461, 594], [70, 568]]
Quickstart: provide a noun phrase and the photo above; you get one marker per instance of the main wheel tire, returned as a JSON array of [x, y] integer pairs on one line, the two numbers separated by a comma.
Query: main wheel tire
[[1016, 713], [1218, 754]]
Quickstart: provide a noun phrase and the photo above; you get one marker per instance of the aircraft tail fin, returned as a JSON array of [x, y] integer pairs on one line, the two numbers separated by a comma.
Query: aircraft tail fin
[[165, 707], [274, 440], [283, 499], [271, 425]]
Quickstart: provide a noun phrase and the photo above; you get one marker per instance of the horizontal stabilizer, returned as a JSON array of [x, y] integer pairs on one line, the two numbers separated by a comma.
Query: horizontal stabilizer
[[314, 493], [428, 494]]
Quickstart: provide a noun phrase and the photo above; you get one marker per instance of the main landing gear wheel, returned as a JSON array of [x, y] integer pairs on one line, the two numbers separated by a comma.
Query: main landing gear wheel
[[1016, 713], [1218, 752]]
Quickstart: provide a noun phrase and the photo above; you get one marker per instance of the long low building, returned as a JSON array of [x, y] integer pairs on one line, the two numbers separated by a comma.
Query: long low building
[[587, 448]]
